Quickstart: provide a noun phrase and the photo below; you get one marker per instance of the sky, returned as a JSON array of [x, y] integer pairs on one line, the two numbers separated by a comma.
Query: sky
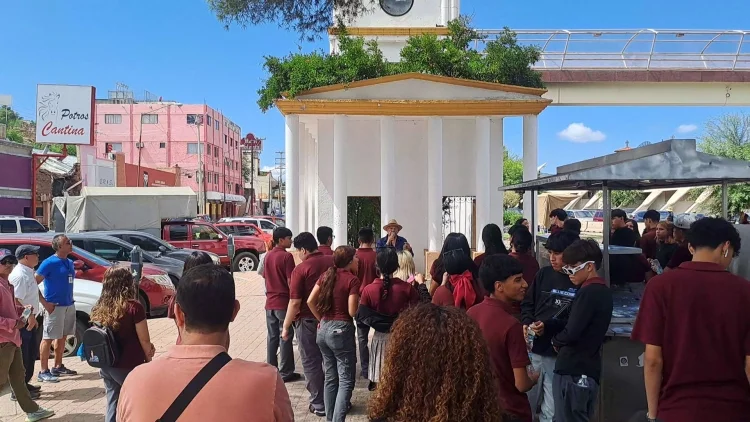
[[177, 49]]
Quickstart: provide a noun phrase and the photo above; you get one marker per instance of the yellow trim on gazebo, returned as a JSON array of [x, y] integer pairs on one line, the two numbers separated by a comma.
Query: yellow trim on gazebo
[[413, 107]]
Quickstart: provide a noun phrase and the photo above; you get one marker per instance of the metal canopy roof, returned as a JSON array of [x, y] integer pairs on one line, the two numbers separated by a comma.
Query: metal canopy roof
[[673, 163]]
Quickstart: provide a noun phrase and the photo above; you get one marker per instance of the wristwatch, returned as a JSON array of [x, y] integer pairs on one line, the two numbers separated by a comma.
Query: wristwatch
[[649, 418]]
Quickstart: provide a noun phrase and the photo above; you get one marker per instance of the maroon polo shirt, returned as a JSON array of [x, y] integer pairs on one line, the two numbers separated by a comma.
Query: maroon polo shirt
[[698, 314], [648, 243], [530, 265], [367, 272], [325, 250], [554, 229], [347, 284], [304, 277], [401, 295], [277, 272], [507, 346], [681, 254], [444, 297]]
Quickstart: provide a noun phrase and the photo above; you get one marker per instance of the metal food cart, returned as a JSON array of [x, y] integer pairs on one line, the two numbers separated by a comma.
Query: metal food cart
[[672, 163]]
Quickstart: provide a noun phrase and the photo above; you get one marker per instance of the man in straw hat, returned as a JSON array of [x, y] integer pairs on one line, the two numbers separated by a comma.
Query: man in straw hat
[[392, 239]]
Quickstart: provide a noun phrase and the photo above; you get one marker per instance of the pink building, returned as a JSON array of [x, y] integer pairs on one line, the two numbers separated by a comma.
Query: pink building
[[163, 135]]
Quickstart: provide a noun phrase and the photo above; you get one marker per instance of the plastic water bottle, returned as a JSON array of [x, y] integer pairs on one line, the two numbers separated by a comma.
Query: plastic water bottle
[[530, 338], [584, 381]]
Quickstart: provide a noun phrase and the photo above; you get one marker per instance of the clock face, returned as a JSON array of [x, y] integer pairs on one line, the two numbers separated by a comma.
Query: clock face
[[396, 7]]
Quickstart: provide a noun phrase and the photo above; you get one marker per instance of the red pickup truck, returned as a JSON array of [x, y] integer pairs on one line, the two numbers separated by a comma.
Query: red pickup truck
[[205, 236]]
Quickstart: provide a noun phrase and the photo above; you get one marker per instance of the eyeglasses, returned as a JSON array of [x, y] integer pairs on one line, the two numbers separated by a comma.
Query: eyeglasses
[[572, 270]]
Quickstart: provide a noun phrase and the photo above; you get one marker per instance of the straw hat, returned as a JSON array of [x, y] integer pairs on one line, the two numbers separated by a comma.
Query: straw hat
[[393, 223]]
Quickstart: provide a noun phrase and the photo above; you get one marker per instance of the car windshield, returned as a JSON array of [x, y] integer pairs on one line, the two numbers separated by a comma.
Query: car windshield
[[280, 223], [91, 257]]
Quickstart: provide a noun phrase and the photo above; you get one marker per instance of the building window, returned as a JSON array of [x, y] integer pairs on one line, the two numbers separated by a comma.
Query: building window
[[112, 119], [162, 144], [216, 124], [208, 120], [216, 151], [149, 119], [192, 119], [231, 142], [216, 178], [192, 148], [40, 211], [113, 147], [225, 138]]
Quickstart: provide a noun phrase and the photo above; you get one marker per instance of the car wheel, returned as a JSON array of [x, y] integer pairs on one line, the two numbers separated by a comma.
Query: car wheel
[[174, 280], [245, 261], [72, 343], [144, 302]]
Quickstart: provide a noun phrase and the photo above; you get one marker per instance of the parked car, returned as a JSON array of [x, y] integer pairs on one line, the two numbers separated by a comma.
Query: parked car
[[114, 249], [244, 229], [85, 293], [638, 216], [265, 224], [155, 245], [155, 289], [598, 215], [207, 237], [278, 220], [12, 224], [582, 215]]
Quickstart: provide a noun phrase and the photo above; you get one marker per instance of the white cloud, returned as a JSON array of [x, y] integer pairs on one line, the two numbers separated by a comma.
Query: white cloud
[[274, 171], [686, 128], [580, 133]]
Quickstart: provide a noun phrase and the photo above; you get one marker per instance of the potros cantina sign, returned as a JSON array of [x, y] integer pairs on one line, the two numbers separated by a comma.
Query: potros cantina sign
[[65, 114]]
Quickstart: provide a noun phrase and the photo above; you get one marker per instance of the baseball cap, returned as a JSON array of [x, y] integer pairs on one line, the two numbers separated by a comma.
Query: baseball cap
[[5, 253], [24, 250], [684, 221]]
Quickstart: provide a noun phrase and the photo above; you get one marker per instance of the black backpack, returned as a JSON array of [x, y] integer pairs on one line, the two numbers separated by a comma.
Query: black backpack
[[100, 347]]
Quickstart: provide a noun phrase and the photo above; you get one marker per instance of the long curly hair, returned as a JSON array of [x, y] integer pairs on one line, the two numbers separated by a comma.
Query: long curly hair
[[118, 288], [459, 386], [342, 256]]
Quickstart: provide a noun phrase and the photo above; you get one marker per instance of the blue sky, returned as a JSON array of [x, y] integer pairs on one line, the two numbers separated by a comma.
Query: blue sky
[[177, 49]]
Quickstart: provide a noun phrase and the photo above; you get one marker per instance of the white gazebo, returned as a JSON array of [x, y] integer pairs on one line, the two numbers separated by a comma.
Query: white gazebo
[[409, 139]]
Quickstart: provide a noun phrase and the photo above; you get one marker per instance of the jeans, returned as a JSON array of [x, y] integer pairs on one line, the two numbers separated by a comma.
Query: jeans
[[29, 349], [542, 391], [274, 325], [574, 403], [312, 360], [113, 380], [363, 338], [337, 344], [11, 369]]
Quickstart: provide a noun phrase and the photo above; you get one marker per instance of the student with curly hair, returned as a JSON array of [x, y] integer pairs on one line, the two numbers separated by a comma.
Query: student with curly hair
[[457, 387], [334, 301]]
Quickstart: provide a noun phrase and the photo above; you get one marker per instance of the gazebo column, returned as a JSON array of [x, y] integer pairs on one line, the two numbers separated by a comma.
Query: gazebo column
[[530, 163], [388, 169], [496, 171], [291, 146], [339, 180], [302, 178], [482, 177], [434, 183], [316, 178], [311, 180]]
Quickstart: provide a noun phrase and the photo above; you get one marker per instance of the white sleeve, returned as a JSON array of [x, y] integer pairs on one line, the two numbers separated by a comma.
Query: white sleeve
[[19, 287]]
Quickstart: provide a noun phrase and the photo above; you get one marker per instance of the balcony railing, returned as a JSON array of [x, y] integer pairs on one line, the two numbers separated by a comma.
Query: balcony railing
[[643, 49]]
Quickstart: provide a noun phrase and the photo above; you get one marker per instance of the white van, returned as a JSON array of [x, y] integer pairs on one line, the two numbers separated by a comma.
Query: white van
[[12, 224]]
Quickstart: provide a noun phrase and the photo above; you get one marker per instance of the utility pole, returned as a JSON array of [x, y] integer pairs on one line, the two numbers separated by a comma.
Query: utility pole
[[201, 200], [280, 164]]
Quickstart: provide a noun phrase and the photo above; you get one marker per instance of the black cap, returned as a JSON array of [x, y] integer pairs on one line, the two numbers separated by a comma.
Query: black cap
[[24, 250]]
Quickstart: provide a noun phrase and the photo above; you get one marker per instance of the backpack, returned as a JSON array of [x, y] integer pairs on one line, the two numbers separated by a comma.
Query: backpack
[[100, 347]]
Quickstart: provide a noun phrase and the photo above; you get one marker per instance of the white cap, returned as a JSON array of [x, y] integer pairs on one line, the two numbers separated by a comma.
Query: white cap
[[684, 221]]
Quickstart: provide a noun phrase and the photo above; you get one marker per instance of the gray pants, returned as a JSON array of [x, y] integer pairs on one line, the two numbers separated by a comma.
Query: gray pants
[[312, 360], [363, 339], [574, 403], [337, 344], [542, 391], [113, 380], [274, 325]]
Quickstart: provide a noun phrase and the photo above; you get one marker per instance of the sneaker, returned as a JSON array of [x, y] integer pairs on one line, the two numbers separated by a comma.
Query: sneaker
[[292, 377], [320, 413], [46, 376], [39, 415], [34, 395], [372, 386], [62, 370], [33, 388]]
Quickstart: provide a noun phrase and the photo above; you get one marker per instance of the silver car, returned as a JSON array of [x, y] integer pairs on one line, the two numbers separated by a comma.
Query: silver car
[[155, 245]]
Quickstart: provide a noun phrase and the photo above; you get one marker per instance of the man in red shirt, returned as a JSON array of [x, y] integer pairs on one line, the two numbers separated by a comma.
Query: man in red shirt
[[278, 271], [557, 219], [325, 238], [682, 254], [695, 324], [502, 276], [648, 241], [367, 273], [303, 280]]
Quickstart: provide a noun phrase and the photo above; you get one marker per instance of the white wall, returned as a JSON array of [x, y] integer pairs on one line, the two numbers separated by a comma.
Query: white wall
[[634, 93]]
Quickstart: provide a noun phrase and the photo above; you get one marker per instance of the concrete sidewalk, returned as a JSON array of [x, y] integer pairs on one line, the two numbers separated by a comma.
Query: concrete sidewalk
[[81, 398]]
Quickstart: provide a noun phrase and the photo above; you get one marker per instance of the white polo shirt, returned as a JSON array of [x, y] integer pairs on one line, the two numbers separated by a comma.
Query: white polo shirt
[[25, 287]]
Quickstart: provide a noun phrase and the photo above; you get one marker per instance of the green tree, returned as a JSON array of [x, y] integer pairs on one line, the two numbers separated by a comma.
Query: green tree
[[309, 18], [502, 61], [9, 117], [624, 198], [512, 168], [728, 136]]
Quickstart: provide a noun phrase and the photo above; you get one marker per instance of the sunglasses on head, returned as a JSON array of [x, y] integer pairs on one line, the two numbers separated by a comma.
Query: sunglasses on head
[[8, 261], [572, 270]]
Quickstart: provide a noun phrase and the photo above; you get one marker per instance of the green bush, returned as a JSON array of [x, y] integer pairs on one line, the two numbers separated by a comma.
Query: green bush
[[510, 217]]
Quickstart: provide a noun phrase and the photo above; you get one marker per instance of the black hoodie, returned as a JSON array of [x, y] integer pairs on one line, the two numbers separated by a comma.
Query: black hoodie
[[549, 296]]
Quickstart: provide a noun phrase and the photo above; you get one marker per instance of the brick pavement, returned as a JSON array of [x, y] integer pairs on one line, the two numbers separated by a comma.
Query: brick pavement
[[81, 398]]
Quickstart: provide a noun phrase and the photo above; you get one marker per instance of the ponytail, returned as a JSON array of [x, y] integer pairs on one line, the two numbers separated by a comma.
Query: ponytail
[[327, 283], [386, 286]]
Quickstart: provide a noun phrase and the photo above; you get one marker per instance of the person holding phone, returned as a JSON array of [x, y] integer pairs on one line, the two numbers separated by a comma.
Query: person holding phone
[[11, 361]]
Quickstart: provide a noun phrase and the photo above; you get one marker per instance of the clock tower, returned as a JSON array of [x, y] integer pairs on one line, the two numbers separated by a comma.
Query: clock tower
[[391, 22]]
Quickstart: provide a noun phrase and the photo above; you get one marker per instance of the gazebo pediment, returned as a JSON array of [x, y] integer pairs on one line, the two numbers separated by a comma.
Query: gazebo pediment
[[417, 94]]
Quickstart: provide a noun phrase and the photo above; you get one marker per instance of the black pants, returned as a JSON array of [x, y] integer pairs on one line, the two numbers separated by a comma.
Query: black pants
[[29, 349]]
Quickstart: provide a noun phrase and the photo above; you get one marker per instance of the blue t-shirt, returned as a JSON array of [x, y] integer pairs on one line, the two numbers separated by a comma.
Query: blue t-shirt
[[58, 280], [400, 242]]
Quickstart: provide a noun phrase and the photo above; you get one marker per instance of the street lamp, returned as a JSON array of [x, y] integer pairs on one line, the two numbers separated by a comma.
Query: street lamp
[[139, 145]]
